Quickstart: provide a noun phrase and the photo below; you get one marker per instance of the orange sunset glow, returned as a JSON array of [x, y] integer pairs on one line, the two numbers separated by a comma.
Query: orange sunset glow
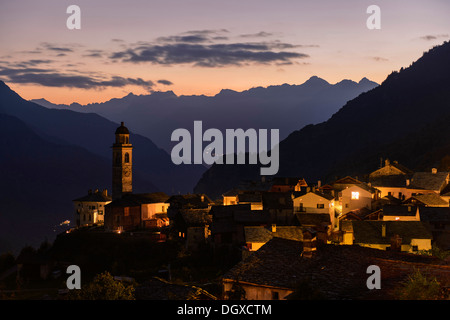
[[261, 43]]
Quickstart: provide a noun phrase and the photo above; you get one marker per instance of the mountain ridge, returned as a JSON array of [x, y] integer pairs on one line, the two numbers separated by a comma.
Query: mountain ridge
[[96, 134], [158, 114], [364, 128]]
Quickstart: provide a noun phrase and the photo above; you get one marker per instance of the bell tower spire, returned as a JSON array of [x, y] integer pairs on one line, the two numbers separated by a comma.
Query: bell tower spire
[[122, 164]]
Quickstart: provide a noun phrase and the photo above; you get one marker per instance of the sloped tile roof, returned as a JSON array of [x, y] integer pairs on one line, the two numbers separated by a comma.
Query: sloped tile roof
[[370, 232], [428, 180], [263, 234], [338, 272], [430, 199]]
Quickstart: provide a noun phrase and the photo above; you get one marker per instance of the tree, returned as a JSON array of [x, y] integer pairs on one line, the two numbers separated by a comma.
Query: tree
[[419, 287], [104, 287]]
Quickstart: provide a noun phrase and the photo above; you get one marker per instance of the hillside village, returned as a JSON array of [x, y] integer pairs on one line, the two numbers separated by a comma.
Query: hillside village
[[285, 233], [395, 211]]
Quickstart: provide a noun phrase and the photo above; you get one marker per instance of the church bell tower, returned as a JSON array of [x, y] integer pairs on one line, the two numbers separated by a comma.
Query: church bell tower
[[122, 163]]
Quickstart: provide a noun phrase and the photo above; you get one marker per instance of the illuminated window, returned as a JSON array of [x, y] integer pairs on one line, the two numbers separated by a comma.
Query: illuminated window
[[355, 195]]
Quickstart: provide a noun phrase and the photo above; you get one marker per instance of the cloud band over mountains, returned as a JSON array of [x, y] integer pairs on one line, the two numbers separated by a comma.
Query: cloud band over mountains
[[54, 78], [201, 49], [197, 48]]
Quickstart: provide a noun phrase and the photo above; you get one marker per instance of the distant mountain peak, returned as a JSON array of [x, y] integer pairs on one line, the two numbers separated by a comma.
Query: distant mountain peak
[[226, 92], [346, 82], [365, 81], [164, 94], [317, 79]]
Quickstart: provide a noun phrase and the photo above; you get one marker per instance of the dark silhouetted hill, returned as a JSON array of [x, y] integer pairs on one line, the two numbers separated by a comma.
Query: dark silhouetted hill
[[285, 107], [405, 118], [39, 181], [96, 134]]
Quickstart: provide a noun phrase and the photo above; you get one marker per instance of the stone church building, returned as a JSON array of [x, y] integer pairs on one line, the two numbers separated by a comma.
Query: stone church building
[[129, 211]]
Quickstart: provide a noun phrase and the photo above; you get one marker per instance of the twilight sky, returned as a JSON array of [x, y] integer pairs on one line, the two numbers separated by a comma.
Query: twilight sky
[[203, 46]]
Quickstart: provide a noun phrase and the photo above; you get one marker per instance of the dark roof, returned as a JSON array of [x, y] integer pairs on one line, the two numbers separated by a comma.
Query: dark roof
[[257, 234], [313, 219], [96, 196], [231, 193], [250, 197], [347, 180], [401, 167], [446, 191], [403, 170], [338, 272], [326, 187], [326, 196], [263, 234], [122, 129], [344, 183], [277, 200], [136, 199], [196, 217], [229, 211], [428, 180], [392, 181], [195, 200], [401, 210], [361, 213], [369, 231], [225, 218], [273, 264], [429, 199], [386, 200], [434, 214], [252, 216]]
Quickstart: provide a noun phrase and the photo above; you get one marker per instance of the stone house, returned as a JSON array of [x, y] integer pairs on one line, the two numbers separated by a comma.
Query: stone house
[[280, 271], [90, 209], [406, 236], [137, 211]]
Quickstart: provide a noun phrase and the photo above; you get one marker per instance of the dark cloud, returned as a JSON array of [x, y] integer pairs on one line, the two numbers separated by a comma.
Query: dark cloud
[[186, 38], [94, 53], [207, 31], [209, 55], [30, 63], [195, 36], [62, 49], [261, 34], [58, 49], [53, 78], [210, 48], [433, 37], [379, 59], [165, 82], [221, 38]]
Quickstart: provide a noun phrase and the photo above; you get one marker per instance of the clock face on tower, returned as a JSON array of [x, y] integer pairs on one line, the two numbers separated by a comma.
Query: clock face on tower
[[126, 171]]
